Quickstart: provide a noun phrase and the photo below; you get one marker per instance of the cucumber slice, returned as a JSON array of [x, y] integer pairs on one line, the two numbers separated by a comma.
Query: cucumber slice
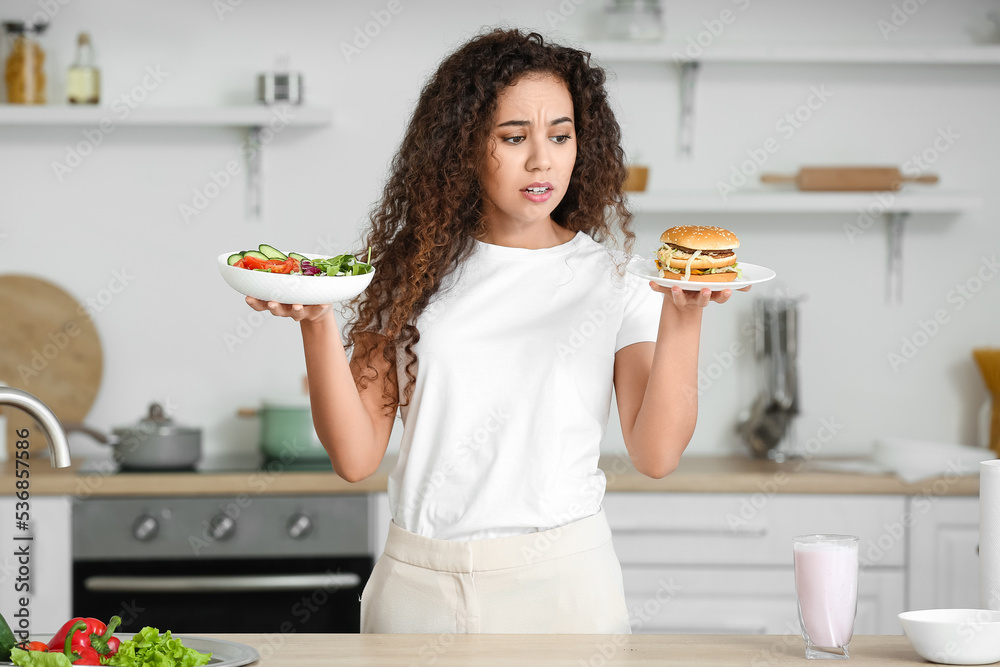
[[235, 258], [272, 253], [256, 255], [295, 255]]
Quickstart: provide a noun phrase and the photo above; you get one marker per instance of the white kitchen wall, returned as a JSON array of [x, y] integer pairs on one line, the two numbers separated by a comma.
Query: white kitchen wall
[[165, 334]]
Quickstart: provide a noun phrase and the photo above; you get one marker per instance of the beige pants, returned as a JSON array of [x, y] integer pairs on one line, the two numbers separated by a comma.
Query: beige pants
[[563, 580]]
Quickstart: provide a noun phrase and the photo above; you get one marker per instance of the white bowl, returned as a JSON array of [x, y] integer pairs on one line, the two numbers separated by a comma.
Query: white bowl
[[921, 459], [292, 289], [954, 636]]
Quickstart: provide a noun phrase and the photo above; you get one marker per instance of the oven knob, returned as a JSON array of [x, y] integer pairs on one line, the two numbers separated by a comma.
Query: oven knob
[[145, 528], [221, 527], [299, 526]]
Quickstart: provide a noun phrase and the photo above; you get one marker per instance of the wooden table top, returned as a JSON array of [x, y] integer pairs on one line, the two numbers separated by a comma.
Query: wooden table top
[[324, 650]]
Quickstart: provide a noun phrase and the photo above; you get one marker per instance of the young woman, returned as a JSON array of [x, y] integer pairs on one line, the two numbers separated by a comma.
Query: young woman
[[498, 323]]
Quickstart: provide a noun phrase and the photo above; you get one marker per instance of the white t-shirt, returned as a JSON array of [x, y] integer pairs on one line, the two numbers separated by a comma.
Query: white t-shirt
[[513, 390]]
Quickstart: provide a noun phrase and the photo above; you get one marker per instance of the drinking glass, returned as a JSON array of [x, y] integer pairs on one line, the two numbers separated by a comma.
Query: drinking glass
[[826, 588]]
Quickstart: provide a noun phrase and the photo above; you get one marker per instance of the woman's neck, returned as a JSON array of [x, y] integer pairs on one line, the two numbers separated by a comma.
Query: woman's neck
[[532, 237]]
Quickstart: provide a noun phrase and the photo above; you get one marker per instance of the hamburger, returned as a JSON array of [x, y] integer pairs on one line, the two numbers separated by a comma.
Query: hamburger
[[705, 254]]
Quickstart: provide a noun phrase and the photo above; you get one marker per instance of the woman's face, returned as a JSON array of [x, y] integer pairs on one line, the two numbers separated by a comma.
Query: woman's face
[[533, 146]]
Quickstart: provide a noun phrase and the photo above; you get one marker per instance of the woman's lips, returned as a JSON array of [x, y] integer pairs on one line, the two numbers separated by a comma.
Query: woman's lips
[[538, 192]]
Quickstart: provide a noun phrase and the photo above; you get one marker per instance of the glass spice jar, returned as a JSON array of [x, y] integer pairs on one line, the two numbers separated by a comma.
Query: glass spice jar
[[24, 72], [634, 20]]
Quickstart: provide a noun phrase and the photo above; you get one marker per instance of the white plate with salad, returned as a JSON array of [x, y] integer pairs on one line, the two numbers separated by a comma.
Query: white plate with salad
[[271, 275], [751, 275], [224, 653]]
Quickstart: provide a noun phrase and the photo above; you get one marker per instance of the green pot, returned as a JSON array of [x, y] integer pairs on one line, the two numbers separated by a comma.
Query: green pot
[[287, 434]]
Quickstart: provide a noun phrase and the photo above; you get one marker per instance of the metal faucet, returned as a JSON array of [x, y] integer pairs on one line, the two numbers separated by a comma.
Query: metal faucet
[[58, 446]]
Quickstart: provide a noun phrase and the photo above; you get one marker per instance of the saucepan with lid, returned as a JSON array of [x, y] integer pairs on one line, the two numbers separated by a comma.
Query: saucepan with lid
[[287, 433], [154, 443]]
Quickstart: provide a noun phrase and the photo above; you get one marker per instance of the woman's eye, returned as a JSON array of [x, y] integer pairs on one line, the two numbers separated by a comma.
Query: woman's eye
[[513, 141], [561, 139]]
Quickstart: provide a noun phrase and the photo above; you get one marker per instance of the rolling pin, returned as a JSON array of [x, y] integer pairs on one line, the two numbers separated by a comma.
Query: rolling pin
[[868, 179]]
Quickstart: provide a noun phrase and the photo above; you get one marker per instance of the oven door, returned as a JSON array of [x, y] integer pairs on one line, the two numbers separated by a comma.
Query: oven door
[[225, 596]]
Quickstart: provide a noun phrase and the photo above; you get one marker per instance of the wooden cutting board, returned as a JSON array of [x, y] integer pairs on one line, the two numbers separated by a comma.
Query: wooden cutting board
[[848, 179], [49, 347]]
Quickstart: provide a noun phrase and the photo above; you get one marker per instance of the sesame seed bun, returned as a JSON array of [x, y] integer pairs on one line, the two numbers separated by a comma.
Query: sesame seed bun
[[701, 238], [724, 277]]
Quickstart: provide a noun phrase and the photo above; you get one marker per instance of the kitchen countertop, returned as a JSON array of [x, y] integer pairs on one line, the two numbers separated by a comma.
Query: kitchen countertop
[[696, 474], [313, 650]]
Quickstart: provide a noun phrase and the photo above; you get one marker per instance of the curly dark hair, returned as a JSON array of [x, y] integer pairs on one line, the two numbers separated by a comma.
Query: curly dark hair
[[420, 231]]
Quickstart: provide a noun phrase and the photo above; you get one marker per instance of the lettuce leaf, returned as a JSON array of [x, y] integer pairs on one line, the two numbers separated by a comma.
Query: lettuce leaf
[[148, 648], [38, 658]]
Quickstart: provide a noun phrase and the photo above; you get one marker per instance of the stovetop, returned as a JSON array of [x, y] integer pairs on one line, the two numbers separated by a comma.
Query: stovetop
[[213, 465]]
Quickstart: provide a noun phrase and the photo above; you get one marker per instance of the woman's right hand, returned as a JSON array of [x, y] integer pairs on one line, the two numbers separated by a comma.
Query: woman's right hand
[[297, 311]]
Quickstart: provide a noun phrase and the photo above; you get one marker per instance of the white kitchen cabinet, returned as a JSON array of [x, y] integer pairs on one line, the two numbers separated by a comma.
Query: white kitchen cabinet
[[723, 562], [49, 566], [944, 564], [744, 600]]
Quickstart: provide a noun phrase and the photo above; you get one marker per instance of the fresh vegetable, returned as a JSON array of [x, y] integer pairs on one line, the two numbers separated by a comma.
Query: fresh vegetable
[[84, 655], [85, 640], [7, 639], [76, 632], [270, 259], [343, 265], [79, 651], [24, 658], [33, 646], [149, 647], [106, 644], [272, 253]]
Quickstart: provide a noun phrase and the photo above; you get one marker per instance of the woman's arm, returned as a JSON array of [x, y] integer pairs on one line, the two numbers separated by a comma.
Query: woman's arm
[[352, 423], [656, 384]]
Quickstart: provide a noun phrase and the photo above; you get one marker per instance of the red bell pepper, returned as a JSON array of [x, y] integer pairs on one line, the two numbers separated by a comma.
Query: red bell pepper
[[77, 636], [104, 643], [85, 640], [79, 654]]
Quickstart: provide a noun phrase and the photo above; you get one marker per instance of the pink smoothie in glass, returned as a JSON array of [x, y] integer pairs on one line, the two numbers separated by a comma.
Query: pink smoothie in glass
[[826, 581]]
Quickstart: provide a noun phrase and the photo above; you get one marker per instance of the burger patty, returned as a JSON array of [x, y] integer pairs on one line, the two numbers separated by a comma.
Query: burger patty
[[713, 253]]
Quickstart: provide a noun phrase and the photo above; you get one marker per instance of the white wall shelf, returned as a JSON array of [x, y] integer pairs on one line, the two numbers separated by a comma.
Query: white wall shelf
[[688, 64], [767, 201], [256, 119], [895, 207], [858, 54], [229, 116]]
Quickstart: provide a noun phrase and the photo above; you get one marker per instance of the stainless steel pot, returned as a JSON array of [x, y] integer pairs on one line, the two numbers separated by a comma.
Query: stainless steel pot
[[155, 443]]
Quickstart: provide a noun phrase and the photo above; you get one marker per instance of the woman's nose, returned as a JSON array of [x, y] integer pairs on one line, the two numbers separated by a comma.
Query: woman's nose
[[539, 157]]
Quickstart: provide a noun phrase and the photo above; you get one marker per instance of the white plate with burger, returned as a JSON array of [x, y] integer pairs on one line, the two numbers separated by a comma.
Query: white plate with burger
[[696, 257]]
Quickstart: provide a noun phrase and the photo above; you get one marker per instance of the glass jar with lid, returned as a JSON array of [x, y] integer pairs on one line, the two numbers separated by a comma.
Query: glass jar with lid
[[24, 70], [635, 20]]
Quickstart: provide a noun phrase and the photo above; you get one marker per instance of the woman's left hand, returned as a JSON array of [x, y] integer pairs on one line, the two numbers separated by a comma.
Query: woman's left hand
[[687, 299]]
